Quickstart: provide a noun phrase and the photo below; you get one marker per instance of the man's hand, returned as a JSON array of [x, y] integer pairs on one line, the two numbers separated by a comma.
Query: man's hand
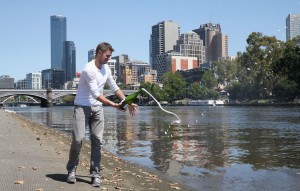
[[117, 105], [133, 109]]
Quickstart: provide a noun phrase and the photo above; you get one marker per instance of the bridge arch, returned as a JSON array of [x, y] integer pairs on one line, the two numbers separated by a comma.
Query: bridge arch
[[47, 95]]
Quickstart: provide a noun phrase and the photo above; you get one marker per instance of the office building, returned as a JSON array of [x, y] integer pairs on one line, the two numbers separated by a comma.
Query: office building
[[177, 62], [91, 54], [112, 65], [138, 68], [162, 39], [58, 37], [190, 45], [47, 78], [6, 82], [221, 46], [172, 61], [69, 60], [215, 42], [72, 85], [34, 81], [292, 26], [148, 76], [193, 75], [53, 78], [21, 84], [120, 60], [132, 71], [58, 79]]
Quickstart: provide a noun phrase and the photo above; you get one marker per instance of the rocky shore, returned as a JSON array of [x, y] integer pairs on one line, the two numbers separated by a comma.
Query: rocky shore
[[33, 158]]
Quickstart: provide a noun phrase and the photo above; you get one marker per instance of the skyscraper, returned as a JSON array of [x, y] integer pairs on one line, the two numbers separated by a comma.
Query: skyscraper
[[190, 44], [63, 53], [70, 60], [58, 37], [91, 54], [292, 26], [215, 42], [162, 39], [221, 47]]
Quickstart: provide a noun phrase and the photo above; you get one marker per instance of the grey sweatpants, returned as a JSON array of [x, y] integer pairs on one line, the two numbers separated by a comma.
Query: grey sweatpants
[[92, 118]]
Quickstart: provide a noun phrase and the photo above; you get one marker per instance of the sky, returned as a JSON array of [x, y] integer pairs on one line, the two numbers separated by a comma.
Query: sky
[[126, 25]]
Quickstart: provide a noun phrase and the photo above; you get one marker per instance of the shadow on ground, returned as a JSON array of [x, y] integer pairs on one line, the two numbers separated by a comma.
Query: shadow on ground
[[63, 178]]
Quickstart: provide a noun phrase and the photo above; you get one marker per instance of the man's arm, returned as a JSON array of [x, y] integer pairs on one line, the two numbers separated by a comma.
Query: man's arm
[[106, 101], [120, 94]]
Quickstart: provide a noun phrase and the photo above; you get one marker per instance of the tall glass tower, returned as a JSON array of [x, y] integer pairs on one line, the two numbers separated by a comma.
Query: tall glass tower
[[70, 60], [58, 37], [292, 26]]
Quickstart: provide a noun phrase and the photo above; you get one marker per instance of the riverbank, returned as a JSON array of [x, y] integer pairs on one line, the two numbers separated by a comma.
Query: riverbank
[[211, 102], [33, 157]]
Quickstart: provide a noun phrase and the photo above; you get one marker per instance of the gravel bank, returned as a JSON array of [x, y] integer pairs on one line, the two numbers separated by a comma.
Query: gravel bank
[[33, 157]]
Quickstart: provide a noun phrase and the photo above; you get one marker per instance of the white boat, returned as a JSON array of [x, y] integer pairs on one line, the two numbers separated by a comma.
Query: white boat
[[22, 105], [219, 102], [206, 102], [202, 102]]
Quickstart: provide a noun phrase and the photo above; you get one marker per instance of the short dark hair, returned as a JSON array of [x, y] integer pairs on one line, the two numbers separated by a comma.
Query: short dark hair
[[104, 46]]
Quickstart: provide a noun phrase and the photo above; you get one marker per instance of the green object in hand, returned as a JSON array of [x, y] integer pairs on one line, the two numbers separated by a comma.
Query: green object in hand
[[130, 98]]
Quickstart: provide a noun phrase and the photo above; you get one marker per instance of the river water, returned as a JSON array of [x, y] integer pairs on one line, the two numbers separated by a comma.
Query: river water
[[213, 148]]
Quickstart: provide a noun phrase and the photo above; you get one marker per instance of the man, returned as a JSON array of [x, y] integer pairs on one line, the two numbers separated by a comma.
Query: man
[[88, 111]]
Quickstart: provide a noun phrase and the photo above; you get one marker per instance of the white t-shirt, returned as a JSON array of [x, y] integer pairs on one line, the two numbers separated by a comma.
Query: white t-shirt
[[91, 84]]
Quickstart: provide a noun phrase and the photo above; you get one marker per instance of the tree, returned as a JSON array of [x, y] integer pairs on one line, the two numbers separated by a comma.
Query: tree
[[122, 86], [174, 86], [68, 98], [256, 64], [154, 90], [289, 65], [226, 71], [194, 91], [209, 80], [286, 89]]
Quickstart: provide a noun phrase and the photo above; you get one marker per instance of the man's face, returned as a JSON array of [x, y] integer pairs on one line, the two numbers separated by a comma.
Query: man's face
[[104, 57]]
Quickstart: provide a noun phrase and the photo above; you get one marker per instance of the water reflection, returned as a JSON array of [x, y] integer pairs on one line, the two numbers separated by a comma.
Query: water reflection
[[212, 147]]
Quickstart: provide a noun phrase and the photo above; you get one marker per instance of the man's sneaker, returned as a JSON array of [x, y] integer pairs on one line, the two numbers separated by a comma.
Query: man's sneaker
[[71, 177], [96, 181]]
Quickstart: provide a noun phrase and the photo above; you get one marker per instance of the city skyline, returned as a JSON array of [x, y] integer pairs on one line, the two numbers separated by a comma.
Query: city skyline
[[25, 46]]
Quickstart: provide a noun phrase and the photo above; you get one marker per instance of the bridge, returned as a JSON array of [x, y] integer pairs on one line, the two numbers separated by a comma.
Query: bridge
[[48, 95]]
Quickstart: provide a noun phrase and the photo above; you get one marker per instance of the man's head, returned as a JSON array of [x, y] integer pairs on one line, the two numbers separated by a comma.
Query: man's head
[[103, 52]]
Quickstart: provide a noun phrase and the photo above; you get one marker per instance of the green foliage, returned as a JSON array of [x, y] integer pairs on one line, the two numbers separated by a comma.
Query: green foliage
[[147, 86], [122, 86], [209, 80], [68, 98], [174, 86], [256, 64], [197, 91], [241, 91], [286, 89], [289, 64], [194, 91], [225, 70], [154, 90], [106, 86]]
